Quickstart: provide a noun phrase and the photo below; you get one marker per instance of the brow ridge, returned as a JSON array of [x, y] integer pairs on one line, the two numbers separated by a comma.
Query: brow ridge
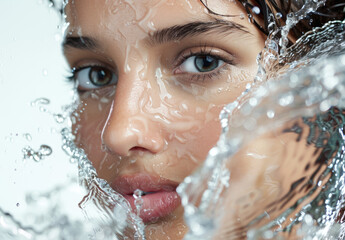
[[173, 33], [80, 42], [179, 32]]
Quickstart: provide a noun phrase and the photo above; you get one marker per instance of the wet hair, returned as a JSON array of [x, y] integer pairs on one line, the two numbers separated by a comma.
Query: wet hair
[[279, 10]]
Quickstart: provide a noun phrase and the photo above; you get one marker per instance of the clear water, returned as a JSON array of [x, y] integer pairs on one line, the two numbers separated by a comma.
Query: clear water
[[297, 96]]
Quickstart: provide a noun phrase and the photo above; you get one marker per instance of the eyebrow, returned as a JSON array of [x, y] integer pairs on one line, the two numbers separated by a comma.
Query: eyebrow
[[179, 32], [170, 34], [81, 42]]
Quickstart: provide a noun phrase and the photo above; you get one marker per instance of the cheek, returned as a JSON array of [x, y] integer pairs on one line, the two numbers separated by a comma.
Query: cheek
[[88, 123], [189, 140]]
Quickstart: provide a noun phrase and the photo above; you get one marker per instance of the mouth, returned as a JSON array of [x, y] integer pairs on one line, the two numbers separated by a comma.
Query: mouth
[[158, 195]]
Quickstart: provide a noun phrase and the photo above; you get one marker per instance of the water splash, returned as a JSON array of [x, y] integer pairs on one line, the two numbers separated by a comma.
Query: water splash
[[312, 90], [303, 93], [37, 156], [40, 101]]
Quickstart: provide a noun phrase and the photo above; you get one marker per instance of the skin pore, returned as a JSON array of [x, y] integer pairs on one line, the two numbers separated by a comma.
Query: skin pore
[[152, 77]]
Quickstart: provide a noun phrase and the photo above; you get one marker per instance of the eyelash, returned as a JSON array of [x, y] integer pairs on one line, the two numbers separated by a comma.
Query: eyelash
[[72, 72], [203, 51], [201, 77], [71, 75]]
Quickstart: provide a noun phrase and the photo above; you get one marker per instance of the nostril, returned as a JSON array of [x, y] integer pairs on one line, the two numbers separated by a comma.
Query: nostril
[[141, 149]]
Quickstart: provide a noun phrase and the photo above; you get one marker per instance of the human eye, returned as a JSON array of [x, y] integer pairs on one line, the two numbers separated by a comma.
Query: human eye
[[201, 64], [93, 77]]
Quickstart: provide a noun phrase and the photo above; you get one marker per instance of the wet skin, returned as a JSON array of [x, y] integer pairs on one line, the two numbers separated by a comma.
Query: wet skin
[[152, 78]]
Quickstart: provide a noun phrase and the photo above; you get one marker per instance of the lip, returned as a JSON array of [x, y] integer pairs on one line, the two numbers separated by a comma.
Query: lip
[[161, 200]]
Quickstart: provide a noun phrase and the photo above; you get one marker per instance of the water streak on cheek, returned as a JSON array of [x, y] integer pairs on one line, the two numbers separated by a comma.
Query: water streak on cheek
[[170, 108], [89, 118]]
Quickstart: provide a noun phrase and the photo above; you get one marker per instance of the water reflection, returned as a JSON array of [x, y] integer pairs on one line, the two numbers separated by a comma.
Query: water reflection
[[304, 156]]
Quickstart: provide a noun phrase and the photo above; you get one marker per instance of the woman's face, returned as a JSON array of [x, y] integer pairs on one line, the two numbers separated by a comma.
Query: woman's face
[[152, 77]]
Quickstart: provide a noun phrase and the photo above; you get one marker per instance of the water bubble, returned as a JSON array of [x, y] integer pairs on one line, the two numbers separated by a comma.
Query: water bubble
[[270, 114], [308, 220], [43, 109], [40, 101], [133, 160], [27, 136], [256, 10], [44, 72], [325, 105], [286, 99], [17, 204], [253, 101], [279, 15], [45, 150], [37, 156], [59, 118]]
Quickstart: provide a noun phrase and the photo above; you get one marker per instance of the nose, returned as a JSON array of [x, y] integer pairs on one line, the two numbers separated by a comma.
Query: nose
[[130, 127]]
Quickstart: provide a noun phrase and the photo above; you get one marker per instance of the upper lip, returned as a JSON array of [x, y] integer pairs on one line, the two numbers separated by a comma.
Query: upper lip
[[126, 185]]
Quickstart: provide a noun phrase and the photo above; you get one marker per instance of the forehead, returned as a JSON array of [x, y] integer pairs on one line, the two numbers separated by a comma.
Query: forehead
[[127, 17]]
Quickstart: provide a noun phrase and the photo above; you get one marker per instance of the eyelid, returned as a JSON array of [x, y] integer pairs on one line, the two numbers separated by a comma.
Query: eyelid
[[85, 64], [204, 50], [88, 63], [81, 85]]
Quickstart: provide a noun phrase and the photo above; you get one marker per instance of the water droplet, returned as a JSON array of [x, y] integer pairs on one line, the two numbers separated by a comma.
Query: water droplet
[[105, 100], [127, 68], [17, 204], [279, 15], [270, 114], [138, 202], [256, 10], [45, 150], [308, 220], [133, 160], [40, 101], [290, 15], [36, 156], [59, 118], [253, 101], [44, 72], [286, 99], [27, 136], [29, 153], [242, 16]]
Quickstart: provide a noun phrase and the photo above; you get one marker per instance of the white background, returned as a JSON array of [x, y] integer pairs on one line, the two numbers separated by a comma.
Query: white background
[[31, 67]]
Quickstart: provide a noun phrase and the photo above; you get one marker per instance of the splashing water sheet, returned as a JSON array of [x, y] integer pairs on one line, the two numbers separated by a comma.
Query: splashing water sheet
[[71, 169]]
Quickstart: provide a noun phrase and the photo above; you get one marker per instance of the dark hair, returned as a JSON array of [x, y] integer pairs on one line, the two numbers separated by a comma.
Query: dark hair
[[279, 9]]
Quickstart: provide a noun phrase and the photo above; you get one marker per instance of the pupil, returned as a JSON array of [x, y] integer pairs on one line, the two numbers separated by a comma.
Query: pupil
[[205, 63], [99, 76]]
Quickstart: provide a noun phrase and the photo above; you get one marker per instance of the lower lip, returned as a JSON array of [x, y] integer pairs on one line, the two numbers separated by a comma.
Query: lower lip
[[156, 205]]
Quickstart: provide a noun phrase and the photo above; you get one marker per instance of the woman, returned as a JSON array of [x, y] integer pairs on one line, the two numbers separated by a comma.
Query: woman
[[152, 78]]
